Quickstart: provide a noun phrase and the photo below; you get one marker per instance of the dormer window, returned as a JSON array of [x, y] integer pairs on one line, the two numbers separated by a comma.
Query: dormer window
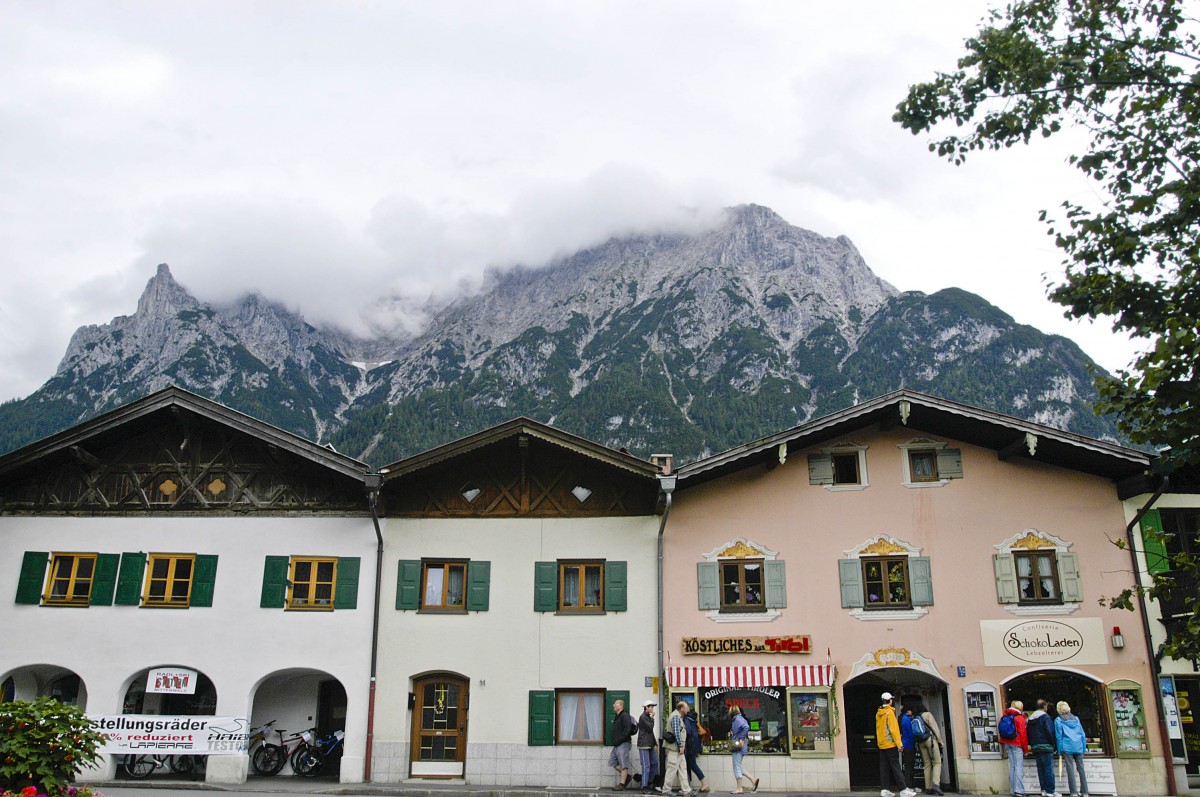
[[839, 467]]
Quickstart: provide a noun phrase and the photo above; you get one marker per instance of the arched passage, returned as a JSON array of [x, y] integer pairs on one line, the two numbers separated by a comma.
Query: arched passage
[[298, 699], [40, 680], [1082, 692], [186, 693]]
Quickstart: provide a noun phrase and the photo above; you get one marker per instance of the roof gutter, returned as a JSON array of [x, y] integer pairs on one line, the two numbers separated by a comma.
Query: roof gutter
[[1154, 659], [374, 482]]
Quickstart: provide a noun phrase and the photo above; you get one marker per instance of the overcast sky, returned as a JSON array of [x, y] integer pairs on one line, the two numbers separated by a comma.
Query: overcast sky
[[334, 154]]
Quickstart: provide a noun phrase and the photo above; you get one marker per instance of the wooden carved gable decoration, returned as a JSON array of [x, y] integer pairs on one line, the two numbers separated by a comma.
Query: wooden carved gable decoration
[[521, 476], [178, 462]]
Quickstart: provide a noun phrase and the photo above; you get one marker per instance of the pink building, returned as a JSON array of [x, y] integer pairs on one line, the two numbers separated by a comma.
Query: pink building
[[949, 555]]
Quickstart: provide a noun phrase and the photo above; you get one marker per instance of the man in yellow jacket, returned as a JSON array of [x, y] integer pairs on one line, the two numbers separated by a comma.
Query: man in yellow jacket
[[887, 739]]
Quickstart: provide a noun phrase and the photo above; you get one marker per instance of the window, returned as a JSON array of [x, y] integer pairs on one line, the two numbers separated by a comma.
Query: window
[[839, 467], [1168, 533], [885, 582], [70, 579], [580, 586], [929, 463], [169, 580], [580, 717], [445, 584], [922, 465], [310, 582], [742, 587], [1037, 577]]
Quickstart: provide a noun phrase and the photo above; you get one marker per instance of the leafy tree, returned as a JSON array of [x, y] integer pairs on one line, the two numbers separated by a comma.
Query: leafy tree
[[1126, 73]]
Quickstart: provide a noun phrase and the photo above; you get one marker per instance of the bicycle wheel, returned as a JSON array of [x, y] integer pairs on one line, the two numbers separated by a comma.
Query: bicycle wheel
[[181, 764], [139, 767], [307, 761], [269, 759]]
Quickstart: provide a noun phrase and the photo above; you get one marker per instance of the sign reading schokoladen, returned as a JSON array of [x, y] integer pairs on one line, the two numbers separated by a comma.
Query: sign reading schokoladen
[[152, 733], [747, 644], [1043, 641]]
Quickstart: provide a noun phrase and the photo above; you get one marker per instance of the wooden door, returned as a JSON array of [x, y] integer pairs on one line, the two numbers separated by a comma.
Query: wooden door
[[439, 734]]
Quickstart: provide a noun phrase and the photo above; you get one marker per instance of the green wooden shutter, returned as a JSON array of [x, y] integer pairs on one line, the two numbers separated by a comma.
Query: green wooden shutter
[[850, 577], [820, 469], [345, 593], [920, 580], [541, 718], [545, 586], [104, 580], [32, 578], [616, 582], [129, 579], [1068, 577], [610, 716], [776, 582], [708, 579], [1154, 544], [274, 586], [204, 580], [1005, 569], [949, 463], [479, 579], [408, 584]]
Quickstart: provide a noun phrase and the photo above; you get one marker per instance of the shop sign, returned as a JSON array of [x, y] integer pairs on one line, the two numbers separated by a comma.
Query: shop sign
[[747, 644], [170, 681], [149, 733], [1043, 642]]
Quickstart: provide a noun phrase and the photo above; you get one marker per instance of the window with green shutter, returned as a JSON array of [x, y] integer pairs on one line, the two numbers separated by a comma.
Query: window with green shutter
[[346, 583], [204, 580], [129, 579], [1155, 544], [708, 580], [274, 586], [408, 585], [616, 580], [33, 576], [610, 698], [541, 718], [850, 580], [583, 586], [479, 580]]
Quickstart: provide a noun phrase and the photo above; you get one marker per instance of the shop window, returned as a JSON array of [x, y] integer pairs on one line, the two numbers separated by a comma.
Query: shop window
[[885, 583], [765, 709], [310, 583], [580, 586], [444, 585], [1129, 719], [169, 580], [810, 721], [983, 719], [742, 587], [839, 467], [1037, 577], [67, 579], [1085, 696]]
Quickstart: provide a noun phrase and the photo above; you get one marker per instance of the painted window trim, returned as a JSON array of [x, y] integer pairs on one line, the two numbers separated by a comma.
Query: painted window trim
[[919, 444], [745, 548], [1060, 547], [849, 448], [896, 548]]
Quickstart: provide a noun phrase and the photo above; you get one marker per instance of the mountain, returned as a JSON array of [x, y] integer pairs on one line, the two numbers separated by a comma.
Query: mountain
[[682, 343]]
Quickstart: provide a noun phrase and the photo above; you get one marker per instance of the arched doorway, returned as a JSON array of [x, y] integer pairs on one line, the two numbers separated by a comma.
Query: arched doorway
[[438, 747], [168, 691], [298, 699], [44, 680], [1083, 693], [862, 699]]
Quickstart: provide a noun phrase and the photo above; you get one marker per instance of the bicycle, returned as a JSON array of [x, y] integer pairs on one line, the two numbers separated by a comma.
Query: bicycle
[[143, 766], [270, 758], [257, 740], [310, 757]]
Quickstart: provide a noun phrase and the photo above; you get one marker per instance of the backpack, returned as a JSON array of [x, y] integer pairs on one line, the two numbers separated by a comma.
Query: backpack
[[920, 730], [1007, 727]]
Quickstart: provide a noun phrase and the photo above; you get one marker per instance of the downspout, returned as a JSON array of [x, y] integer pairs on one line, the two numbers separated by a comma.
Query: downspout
[[1155, 664], [374, 482], [666, 483]]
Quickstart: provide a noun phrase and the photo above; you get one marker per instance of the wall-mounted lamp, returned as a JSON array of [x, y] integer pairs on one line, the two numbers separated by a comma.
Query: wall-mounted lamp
[[1118, 641]]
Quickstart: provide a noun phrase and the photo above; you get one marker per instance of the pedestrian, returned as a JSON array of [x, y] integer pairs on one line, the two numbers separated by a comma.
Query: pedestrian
[[1042, 744], [623, 729], [1017, 747], [931, 750], [1072, 744], [887, 739], [675, 776], [647, 745], [908, 755], [692, 749], [739, 739]]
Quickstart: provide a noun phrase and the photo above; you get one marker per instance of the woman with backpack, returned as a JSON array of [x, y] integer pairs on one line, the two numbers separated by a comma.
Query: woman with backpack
[[928, 736], [1072, 744], [691, 749], [1014, 737]]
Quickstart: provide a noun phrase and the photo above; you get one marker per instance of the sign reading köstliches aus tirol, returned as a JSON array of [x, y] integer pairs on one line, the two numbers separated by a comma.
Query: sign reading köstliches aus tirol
[[747, 644]]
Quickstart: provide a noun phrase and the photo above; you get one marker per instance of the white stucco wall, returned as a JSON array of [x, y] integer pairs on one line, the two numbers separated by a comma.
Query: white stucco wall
[[511, 649], [235, 643]]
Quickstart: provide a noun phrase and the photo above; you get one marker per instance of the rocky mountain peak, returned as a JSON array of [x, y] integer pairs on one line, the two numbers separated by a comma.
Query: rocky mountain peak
[[164, 296]]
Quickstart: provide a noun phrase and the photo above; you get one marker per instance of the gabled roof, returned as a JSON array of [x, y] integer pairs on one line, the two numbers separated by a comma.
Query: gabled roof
[[515, 428], [1009, 436], [175, 399]]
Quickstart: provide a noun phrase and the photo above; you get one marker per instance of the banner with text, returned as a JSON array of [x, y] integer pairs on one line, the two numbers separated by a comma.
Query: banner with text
[[150, 733]]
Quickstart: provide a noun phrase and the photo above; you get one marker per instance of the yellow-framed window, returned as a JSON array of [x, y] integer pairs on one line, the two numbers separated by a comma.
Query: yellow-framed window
[[312, 583], [69, 582], [169, 580]]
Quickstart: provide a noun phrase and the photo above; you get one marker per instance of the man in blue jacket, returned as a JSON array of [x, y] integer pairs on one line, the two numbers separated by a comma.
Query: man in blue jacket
[[1043, 746]]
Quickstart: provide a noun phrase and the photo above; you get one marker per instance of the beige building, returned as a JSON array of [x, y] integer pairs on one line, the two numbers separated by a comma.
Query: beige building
[[946, 554]]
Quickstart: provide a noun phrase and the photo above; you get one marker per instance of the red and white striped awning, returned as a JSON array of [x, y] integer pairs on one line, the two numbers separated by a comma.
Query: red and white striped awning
[[782, 675]]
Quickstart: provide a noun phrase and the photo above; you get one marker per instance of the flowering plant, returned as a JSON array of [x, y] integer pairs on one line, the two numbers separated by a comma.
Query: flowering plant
[[43, 743]]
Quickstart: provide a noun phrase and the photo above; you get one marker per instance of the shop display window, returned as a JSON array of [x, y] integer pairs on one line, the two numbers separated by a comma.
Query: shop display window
[[1087, 699], [1129, 719], [764, 707], [810, 718], [983, 719]]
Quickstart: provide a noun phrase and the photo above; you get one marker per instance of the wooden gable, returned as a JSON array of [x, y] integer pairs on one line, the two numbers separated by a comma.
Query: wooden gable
[[520, 476], [176, 461]]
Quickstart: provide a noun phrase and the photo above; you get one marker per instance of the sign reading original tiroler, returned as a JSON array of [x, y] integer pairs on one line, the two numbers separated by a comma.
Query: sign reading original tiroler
[[747, 644], [1043, 641]]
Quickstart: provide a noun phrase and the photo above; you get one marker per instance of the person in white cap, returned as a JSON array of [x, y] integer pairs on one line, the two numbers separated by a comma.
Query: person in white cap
[[647, 745], [887, 739]]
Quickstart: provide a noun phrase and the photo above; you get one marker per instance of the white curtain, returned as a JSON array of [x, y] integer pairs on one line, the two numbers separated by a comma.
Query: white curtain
[[568, 718], [433, 586], [594, 709], [570, 586]]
